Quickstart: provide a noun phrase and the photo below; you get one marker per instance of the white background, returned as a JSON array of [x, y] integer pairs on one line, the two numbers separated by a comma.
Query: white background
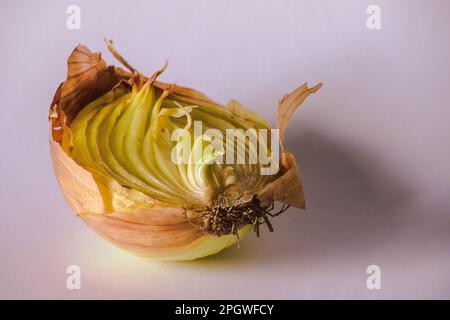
[[372, 144]]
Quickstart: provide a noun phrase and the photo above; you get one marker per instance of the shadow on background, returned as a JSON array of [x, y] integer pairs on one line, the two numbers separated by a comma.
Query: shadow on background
[[353, 204]]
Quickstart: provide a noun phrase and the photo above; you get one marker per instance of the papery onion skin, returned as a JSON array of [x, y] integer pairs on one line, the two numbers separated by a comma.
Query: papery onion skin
[[130, 219]]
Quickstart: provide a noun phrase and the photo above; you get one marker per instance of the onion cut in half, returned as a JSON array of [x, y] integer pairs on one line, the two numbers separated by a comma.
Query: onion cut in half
[[112, 146]]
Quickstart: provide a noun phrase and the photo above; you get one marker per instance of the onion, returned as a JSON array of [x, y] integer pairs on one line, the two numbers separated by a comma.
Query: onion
[[112, 146]]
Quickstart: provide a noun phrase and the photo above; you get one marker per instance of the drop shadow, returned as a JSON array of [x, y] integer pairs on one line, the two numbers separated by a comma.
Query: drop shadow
[[354, 203]]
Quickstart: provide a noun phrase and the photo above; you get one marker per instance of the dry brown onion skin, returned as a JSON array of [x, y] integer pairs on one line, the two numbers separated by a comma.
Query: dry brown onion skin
[[138, 223]]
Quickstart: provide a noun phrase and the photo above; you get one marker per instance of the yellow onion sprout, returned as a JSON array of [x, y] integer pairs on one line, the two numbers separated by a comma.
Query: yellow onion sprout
[[157, 169]]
